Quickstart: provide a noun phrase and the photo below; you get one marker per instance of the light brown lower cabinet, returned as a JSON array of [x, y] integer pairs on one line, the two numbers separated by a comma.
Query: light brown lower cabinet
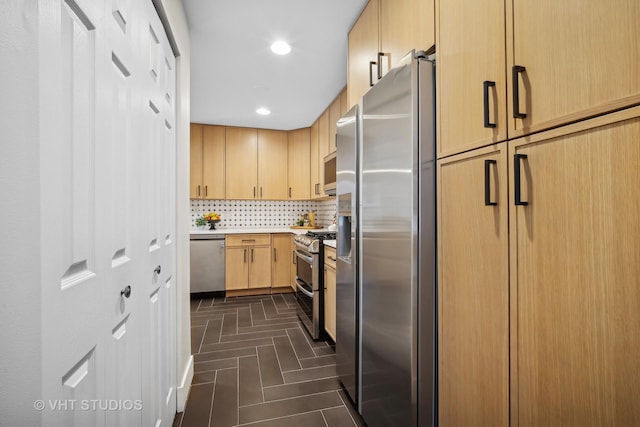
[[248, 261], [330, 291], [280, 261], [573, 296]]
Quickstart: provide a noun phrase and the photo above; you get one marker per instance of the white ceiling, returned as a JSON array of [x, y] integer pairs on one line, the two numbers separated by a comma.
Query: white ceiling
[[233, 71]]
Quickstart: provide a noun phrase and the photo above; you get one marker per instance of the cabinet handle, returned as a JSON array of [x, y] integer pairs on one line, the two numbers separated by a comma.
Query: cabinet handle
[[245, 255], [293, 254], [254, 192], [198, 191], [275, 255], [261, 192], [206, 190], [331, 258], [371, 64], [318, 188], [516, 175], [487, 182], [248, 240], [289, 192], [485, 86], [515, 73], [380, 56], [251, 255]]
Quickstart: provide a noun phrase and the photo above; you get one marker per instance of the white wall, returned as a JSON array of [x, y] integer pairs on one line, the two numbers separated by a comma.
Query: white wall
[[174, 12], [20, 222]]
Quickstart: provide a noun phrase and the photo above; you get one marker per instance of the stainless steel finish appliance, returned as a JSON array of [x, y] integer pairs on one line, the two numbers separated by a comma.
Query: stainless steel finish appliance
[[207, 262], [347, 293], [309, 281], [398, 241]]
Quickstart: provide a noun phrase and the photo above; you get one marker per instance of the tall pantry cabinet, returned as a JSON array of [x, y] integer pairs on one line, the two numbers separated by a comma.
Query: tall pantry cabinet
[[540, 136]]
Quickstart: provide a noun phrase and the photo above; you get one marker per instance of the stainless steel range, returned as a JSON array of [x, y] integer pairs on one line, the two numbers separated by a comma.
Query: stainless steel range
[[309, 280]]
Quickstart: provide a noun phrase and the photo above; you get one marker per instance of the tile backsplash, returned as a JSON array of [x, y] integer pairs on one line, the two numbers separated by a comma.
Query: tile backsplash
[[262, 213]]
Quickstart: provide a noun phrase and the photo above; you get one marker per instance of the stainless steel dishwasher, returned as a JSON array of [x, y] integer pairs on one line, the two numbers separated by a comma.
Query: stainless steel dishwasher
[[207, 262]]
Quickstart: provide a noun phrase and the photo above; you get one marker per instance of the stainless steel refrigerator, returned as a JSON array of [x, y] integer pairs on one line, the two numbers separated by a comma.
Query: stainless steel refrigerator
[[398, 249], [347, 292]]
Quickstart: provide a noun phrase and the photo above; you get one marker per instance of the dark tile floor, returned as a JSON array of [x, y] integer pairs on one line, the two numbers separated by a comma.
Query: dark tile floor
[[255, 365]]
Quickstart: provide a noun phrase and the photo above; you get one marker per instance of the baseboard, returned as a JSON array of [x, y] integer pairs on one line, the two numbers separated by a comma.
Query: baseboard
[[185, 386]]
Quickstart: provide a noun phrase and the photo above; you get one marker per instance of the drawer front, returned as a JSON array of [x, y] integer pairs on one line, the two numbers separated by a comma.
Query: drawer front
[[330, 257], [235, 240]]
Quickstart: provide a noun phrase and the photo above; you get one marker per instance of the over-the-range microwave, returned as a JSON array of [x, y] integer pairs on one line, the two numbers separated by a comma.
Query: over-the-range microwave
[[329, 176]]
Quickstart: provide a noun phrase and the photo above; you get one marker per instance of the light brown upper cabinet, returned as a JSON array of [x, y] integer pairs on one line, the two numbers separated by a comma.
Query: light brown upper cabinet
[[472, 110], [207, 162], [272, 176], [364, 46], [382, 36], [299, 141], [315, 189], [242, 163], [405, 25], [574, 63]]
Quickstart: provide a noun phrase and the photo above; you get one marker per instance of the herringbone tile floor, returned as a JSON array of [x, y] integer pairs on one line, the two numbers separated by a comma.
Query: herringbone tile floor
[[256, 366]]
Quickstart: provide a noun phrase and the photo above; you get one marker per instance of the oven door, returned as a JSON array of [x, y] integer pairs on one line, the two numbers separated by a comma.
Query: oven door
[[307, 295]]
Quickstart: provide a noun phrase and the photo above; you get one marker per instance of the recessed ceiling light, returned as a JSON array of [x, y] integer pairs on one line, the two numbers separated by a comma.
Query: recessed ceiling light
[[280, 47], [263, 111]]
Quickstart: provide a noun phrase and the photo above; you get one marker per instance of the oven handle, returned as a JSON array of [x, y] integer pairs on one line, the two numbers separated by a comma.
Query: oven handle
[[304, 257], [303, 290]]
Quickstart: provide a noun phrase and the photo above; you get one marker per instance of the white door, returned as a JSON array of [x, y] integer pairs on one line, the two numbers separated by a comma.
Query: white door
[[107, 200]]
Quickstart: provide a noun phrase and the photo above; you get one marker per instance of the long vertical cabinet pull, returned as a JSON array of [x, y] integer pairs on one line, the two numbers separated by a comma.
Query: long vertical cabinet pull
[[206, 190], [289, 192], [198, 191], [485, 87], [381, 55], [515, 76], [517, 180], [371, 64], [245, 255], [275, 255], [487, 182], [251, 254]]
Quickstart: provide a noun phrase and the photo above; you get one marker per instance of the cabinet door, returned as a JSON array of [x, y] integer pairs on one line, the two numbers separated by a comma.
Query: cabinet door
[[272, 164], [241, 170], [195, 177], [575, 263], [260, 269], [299, 160], [281, 260], [558, 43], [323, 136], [469, 55], [213, 162], [344, 103], [334, 116], [315, 161], [363, 49], [405, 25], [330, 301], [236, 268], [473, 297]]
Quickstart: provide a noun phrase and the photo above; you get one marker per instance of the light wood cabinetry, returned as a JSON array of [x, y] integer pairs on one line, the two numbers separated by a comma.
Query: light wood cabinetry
[[281, 260], [272, 176], [299, 158], [207, 162], [405, 25], [363, 52], [241, 163], [563, 82], [473, 283], [470, 70], [247, 261], [335, 112], [323, 136], [575, 263], [315, 188], [330, 291]]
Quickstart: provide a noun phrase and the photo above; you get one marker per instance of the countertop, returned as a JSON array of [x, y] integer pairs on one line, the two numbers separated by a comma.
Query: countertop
[[271, 230], [331, 243]]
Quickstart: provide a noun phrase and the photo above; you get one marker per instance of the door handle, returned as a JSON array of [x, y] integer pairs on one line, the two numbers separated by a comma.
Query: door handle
[[289, 192], [371, 64], [157, 270], [126, 291], [485, 87], [516, 176], [380, 56], [251, 255], [206, 190], [515, 73], [198, 192], [275, 254], [487, 182], [245, 256]]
